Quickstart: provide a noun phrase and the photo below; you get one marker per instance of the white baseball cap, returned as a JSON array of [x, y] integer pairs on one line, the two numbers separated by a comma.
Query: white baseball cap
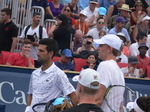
[[146, 18], [86, 77], [83, 12], [111, 40]]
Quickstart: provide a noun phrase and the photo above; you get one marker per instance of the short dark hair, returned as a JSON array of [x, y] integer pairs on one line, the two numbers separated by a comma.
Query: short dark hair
[[36, 13], [71, 8], [89, 36], [140, 37], [7, 11], [51, 44], [99, 18]]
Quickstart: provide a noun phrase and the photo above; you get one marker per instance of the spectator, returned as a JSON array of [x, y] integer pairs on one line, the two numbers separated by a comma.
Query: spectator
[[141, 28], [131, 70], [91, 61], [87, 45], [101, 13], [23, 58], [109, 48], [124, 12], [87, 88], [67, 10], [64, 63], [113, 9], [143, 60], [91, 10], [120, 28], [76, 9], [61, 32], [125, 49], [78, 40], [55, 7], [133, 49], [44, 4], [81, 24], [107, 4], [34, 33], [137, 13], [48, 82], [94, 32], [131, 4], [8, 32]]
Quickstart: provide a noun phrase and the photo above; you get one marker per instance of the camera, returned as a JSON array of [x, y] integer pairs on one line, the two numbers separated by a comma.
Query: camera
[[88, 42]]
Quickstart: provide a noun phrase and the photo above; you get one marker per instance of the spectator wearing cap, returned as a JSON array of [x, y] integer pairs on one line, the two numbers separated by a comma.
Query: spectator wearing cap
[[94, 32], [133, 49], [81, 24], [131, 70], [109, 48], [64, 63], [113, 9], [143, 60], [135, 15], [125, 49], [120, 28], [87, 88], [141, 28], [101, 13], [124, 12], [122, 58], [91, 10]]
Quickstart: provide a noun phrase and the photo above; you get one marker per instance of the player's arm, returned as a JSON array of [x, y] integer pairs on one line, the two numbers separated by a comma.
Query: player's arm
[[100, 95], [74, 98], [28, 102], [13, 44]]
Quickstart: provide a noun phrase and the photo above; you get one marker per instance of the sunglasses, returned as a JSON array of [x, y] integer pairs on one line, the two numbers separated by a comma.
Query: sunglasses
[[101, 23], [67, 10]]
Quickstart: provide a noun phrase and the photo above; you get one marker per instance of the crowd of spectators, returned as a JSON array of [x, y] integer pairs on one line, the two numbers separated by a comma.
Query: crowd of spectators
[[79, 22]]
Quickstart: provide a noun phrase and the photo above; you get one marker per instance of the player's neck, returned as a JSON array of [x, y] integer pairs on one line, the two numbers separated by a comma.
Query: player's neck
[[46, 65], [87, 99], [110, 57]]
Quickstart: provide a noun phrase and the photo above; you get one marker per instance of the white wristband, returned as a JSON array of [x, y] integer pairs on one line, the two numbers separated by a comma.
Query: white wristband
[[27, 109]]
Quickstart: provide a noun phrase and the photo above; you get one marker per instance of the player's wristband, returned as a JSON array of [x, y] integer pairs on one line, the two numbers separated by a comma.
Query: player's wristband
[[27, 109]]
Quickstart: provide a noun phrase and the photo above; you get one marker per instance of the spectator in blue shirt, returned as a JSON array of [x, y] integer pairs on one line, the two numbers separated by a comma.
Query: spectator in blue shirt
[[64, 63]]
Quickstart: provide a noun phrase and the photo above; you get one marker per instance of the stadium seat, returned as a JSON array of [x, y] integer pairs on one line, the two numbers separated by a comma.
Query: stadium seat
[[55, 58], [79, 63], [148, 71], [1, 61], [121, 65], [5, 56]]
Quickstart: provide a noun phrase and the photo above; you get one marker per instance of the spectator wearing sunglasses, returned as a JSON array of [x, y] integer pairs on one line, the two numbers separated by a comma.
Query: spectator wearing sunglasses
[[68, 12], [94, 32]]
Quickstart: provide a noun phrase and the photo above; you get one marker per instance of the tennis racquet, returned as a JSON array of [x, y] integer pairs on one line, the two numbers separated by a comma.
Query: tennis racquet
[[116, 95]]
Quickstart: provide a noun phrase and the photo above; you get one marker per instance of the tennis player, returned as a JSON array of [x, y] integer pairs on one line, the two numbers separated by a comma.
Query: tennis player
[[109, 48]]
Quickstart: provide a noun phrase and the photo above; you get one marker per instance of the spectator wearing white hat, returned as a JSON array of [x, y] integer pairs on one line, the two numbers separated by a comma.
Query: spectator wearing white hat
[[111, 74], [141, 28], [91, 9], [87, 88], [81, 24]]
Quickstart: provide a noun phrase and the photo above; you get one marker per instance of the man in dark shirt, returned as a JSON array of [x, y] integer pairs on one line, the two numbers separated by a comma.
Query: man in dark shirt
[[87, 88], [44, 4], [64, 63], [8, 32]]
